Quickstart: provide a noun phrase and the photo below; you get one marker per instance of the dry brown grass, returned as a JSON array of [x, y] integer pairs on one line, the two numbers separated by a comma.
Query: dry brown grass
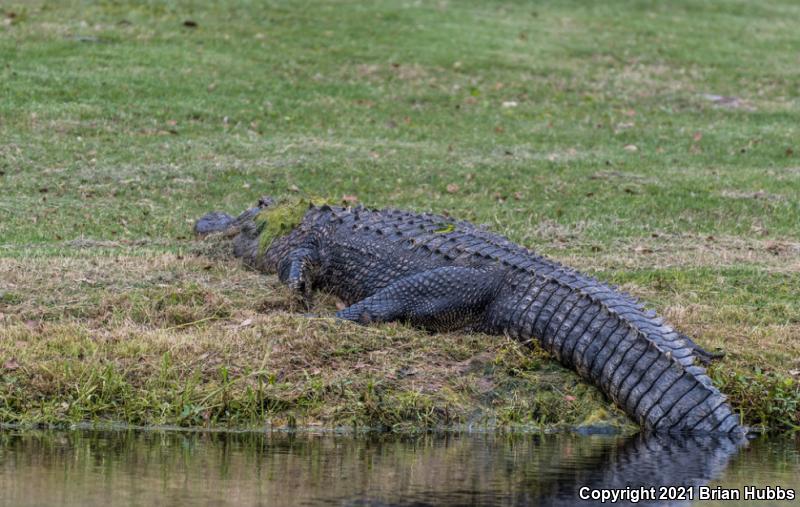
[[151, 337], [162, 338], [663, 250]]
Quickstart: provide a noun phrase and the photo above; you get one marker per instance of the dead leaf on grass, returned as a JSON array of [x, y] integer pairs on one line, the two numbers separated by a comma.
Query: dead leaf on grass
[[11, 364]]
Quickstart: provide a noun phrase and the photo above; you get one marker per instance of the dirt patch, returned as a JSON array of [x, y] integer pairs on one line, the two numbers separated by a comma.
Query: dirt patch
[[729, 102], [689, 250], [759, 195], [622, 176], [405, 72]]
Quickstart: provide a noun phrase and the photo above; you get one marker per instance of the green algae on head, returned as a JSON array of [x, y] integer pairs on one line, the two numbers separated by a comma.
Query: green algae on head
[[279, 219]]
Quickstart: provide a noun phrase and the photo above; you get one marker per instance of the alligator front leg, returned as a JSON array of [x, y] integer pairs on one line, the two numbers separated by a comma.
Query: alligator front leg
[[296, 270], [439, 299]]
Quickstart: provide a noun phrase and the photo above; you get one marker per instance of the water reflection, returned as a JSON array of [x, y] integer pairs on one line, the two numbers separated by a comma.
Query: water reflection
[[647, 464], [180, 468]]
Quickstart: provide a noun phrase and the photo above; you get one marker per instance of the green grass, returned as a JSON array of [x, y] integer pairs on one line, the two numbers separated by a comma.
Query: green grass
[[583, 130]]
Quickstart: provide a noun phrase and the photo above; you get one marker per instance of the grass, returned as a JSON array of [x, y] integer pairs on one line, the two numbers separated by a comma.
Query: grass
[[654, 146], [168, 340]]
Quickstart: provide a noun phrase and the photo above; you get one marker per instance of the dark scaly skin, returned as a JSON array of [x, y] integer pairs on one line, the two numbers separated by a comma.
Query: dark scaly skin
[[443, 274]]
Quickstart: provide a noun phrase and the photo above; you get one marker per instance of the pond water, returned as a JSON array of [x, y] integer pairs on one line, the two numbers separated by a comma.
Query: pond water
[[149, 468]]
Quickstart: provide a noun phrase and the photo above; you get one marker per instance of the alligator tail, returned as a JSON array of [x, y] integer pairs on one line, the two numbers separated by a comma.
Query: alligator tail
[[646, 367]]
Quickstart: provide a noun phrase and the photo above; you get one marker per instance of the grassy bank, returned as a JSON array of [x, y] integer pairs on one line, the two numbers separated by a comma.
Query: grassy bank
[[655, 147]]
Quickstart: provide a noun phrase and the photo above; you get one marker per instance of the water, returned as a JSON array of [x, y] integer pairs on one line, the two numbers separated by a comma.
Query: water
[[150, 468]]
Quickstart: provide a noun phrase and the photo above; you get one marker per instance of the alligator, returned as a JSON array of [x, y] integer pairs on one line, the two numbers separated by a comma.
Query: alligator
[[441, 274]]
